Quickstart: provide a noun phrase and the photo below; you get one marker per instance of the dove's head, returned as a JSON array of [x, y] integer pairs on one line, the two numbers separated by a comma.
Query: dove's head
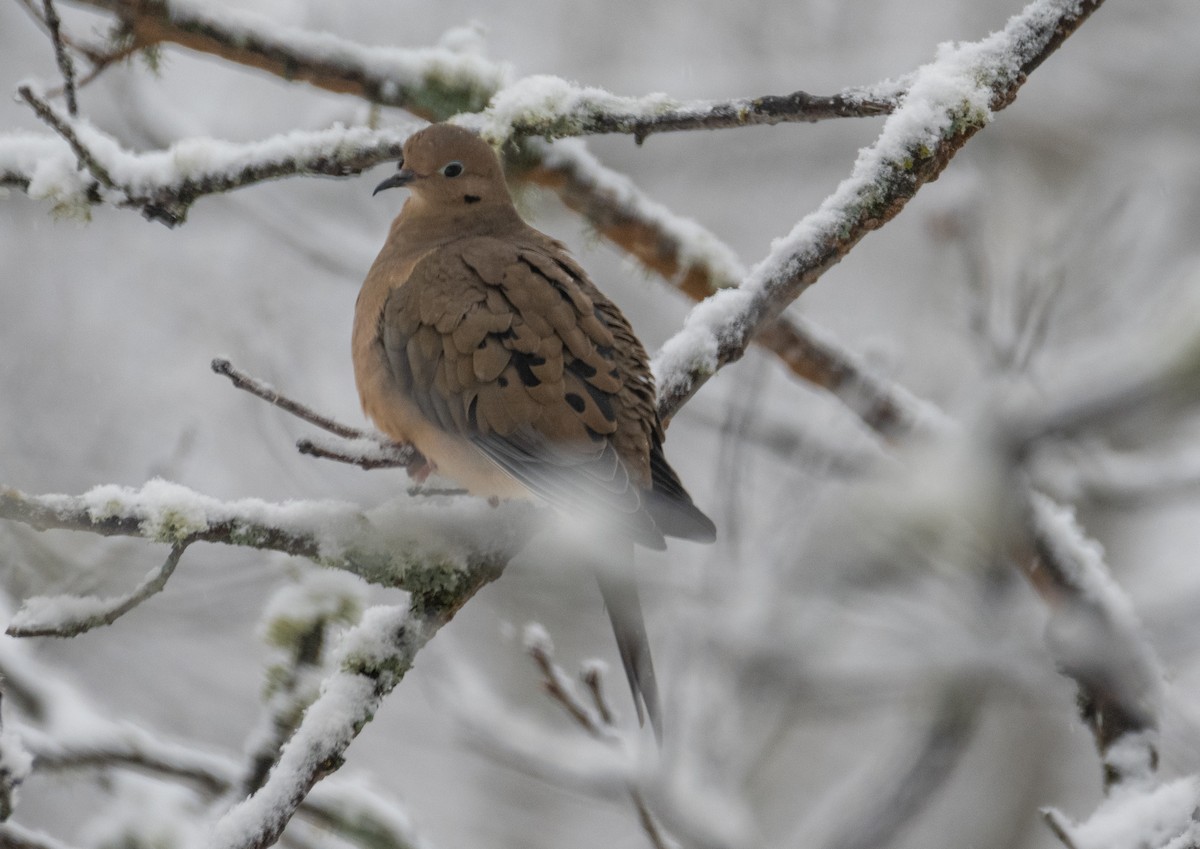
[[444, 164]]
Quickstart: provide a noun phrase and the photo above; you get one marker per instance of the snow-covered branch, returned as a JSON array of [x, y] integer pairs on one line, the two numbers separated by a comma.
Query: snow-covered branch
[[88, 166], [373, 658], [62, 730], [695, 261], [551, 108], [440, 555], [431, 82], [1098, 641], [948, 101]]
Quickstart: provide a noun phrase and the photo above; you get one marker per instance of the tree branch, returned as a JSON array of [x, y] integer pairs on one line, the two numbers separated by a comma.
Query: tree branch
[[69, 616], [375, 656], [438, 555], [65, 65], [912, 150], [596, 720], [197, 167]]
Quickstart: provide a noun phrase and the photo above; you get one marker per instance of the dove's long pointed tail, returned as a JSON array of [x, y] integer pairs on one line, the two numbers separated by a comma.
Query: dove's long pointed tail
[[620, 594]]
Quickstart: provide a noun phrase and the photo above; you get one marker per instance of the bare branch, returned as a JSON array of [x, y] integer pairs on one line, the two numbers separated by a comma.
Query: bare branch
[[269, 394], [63, 128], [366, 453], [65, 65], [366, 449], [69, 616], [597, 721]]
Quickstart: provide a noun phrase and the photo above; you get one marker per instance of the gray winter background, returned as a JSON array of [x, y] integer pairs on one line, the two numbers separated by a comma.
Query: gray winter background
[[1088, 186]]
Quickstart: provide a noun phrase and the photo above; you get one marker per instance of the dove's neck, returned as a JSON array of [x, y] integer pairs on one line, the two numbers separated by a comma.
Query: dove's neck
[[422, 226]]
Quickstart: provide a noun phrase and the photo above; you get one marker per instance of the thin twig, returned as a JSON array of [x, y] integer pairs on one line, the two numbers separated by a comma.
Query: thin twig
[[379, 452], [66, 65], [389, 457], [593, 680], [597, 722], [113, 610], [267, 393], [554, 682], [55, 122]]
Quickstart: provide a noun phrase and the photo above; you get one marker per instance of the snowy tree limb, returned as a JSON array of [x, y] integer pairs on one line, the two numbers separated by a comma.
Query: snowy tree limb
[[432, 83], [696, 262], [1097, 640], [375, 656], [350, 807], [164, 184], [440, 556], [69, 616], [962, 88]]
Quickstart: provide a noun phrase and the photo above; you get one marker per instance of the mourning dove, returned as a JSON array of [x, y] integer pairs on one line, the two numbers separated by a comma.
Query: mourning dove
[[479, 340]]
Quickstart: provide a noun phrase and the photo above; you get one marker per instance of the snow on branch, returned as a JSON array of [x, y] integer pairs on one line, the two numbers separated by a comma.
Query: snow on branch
[[431, 82], [948, 101], [374, 657], [440, 555], [551, 107], [61, 730], [1097, 639], [698, 263], [89, 167], [438, 83], [68, 616]]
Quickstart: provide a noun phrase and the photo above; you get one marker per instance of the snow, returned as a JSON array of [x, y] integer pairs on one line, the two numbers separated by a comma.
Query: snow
[[953, 90], [453, 63], [373, 657], [559, 107], [1140, 819], [535, 636], [319, 595]]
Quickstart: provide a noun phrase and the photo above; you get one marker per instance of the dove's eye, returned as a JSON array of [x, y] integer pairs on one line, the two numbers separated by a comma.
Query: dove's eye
[[452, 169]]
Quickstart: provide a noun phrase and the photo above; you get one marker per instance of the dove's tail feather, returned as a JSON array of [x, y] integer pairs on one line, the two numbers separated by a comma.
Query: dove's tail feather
[[625, 610]]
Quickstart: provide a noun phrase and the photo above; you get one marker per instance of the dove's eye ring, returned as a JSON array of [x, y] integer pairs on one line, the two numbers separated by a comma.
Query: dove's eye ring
[[452, 169]]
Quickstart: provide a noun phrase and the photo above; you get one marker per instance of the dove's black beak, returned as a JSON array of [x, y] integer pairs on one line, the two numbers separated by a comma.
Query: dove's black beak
[[401, 178]]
